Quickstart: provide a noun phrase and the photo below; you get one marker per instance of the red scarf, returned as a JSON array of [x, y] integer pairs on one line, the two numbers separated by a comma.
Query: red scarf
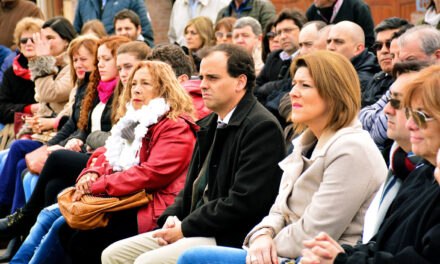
[[19, 70], [105, 89]]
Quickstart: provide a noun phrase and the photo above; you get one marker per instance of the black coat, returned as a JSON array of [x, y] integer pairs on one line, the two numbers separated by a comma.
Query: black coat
[[243, 174], [410, 232], [356, 11], [274, 69], [377, 87], [15, 93], [366, 67]]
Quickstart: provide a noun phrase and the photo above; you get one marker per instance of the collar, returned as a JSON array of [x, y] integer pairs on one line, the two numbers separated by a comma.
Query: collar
[[285, 56], [202, 2], [227, 117], [140, 38]]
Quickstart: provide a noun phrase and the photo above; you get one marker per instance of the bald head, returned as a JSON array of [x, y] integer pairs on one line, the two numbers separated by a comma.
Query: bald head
[[308, 36], [346, 38]]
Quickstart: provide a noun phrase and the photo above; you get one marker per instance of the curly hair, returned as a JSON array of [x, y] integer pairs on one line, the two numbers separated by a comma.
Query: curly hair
[[163, 79], [112, 43]]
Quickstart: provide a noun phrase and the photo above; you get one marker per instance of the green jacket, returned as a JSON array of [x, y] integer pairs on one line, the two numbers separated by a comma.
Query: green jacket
[[261, 10]]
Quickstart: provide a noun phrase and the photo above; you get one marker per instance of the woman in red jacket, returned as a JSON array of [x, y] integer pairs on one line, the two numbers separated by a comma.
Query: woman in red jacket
[[149, 148]]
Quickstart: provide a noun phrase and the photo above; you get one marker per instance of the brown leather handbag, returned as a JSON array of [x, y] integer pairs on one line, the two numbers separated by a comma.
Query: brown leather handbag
[[93, 211]]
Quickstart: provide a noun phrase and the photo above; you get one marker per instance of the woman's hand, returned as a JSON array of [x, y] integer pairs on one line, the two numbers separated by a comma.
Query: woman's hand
[[42, 45], [322, 249], [35, 108], [44, 124], [84, 185], [74, 144], [262, 251]]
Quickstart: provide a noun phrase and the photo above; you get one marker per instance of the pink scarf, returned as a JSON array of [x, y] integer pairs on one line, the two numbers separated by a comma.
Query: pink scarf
[[19, 70], [105, 89]]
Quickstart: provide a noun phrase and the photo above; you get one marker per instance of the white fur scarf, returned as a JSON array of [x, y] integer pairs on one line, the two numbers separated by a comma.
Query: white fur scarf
[[122, 154]]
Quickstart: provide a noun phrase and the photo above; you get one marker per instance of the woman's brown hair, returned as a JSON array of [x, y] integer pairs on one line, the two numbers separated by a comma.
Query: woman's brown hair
[[89, 42], [337, 83], [112, 43]]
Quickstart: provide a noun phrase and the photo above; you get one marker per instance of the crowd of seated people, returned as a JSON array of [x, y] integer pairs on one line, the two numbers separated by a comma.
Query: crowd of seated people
[[260, 137]]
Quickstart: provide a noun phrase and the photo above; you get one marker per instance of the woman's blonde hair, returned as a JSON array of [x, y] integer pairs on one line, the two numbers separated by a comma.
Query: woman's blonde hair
[[204, 28], [337, 83], [31, 24], [163, 79], [426, 87]]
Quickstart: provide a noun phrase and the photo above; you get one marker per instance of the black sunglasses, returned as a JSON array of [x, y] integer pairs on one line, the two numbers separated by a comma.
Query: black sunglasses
[[25, 40], [220, 34], [378, 45], [419, 117], [395, 103], [271, 35]]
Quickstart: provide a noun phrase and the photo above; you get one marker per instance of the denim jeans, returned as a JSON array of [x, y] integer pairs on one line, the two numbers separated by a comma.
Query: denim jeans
[[29, 182], [213, 255], [42, 245], [11, 184]]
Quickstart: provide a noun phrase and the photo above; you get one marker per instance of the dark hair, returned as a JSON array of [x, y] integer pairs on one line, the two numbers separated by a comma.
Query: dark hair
[[403, 67], [174, 56], [265, 50], [126, 13], [390, 23], [401, 31], [62, 27], [239, 62], [291, 14]]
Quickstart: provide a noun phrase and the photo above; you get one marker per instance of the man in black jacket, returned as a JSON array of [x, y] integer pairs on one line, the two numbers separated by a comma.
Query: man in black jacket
[[233, 177], [347, 38]]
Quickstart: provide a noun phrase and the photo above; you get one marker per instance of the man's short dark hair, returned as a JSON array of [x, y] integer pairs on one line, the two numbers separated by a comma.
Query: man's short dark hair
[[403, 67], [291, 14], [174, 56], [401, 31], [390, 23], [126, 13], [239, 62]]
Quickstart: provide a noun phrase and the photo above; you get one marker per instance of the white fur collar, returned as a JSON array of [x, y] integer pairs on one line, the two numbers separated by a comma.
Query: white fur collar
[[122, 154]]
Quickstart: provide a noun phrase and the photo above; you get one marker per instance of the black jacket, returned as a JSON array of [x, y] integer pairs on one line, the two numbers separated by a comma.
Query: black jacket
[[377, 87], [410, 232], [274, 69], [366, 67], [356, 11], [15, 93], [243, 174]]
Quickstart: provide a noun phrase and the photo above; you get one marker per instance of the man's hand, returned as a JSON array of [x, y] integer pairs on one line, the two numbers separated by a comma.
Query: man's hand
[[262, 251], [170, 232], [322, 249]]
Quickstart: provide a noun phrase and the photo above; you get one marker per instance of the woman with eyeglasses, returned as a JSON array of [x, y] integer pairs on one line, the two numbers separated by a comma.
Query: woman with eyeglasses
[[223, 30], [411, 231], [329, 179], [270, 40], [17, 90], [199, 33]]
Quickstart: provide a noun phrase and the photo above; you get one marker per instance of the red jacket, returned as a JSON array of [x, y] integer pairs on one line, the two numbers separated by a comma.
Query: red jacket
[[164, 159], [193, 88]]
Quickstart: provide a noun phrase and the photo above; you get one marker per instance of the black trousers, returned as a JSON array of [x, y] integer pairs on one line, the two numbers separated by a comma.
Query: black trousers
[[86, 246], [60, 171]]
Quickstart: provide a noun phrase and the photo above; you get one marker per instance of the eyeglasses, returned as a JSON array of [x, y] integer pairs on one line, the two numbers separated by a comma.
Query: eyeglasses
[[221, 35], [286, 30], [379, 45], [25, 40], [271, 35], [395, 103], [419, 117]]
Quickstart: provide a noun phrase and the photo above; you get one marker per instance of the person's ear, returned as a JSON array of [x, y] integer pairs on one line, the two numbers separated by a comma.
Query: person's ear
[[241, 83], [182, 78]]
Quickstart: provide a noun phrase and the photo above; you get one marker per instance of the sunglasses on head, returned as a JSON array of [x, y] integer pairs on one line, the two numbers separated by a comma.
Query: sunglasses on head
[[378, 45], [219, 34], [395, 103], [25, 40], [271, 35], [419, 117]]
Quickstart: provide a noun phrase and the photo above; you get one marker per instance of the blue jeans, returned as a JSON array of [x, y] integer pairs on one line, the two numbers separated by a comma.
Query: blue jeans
[[29, 182], [213, 255], [42, 245], [11, 184]]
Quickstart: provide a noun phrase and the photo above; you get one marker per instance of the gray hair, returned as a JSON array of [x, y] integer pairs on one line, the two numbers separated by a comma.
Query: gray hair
[[249, 21], [429, 38]]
